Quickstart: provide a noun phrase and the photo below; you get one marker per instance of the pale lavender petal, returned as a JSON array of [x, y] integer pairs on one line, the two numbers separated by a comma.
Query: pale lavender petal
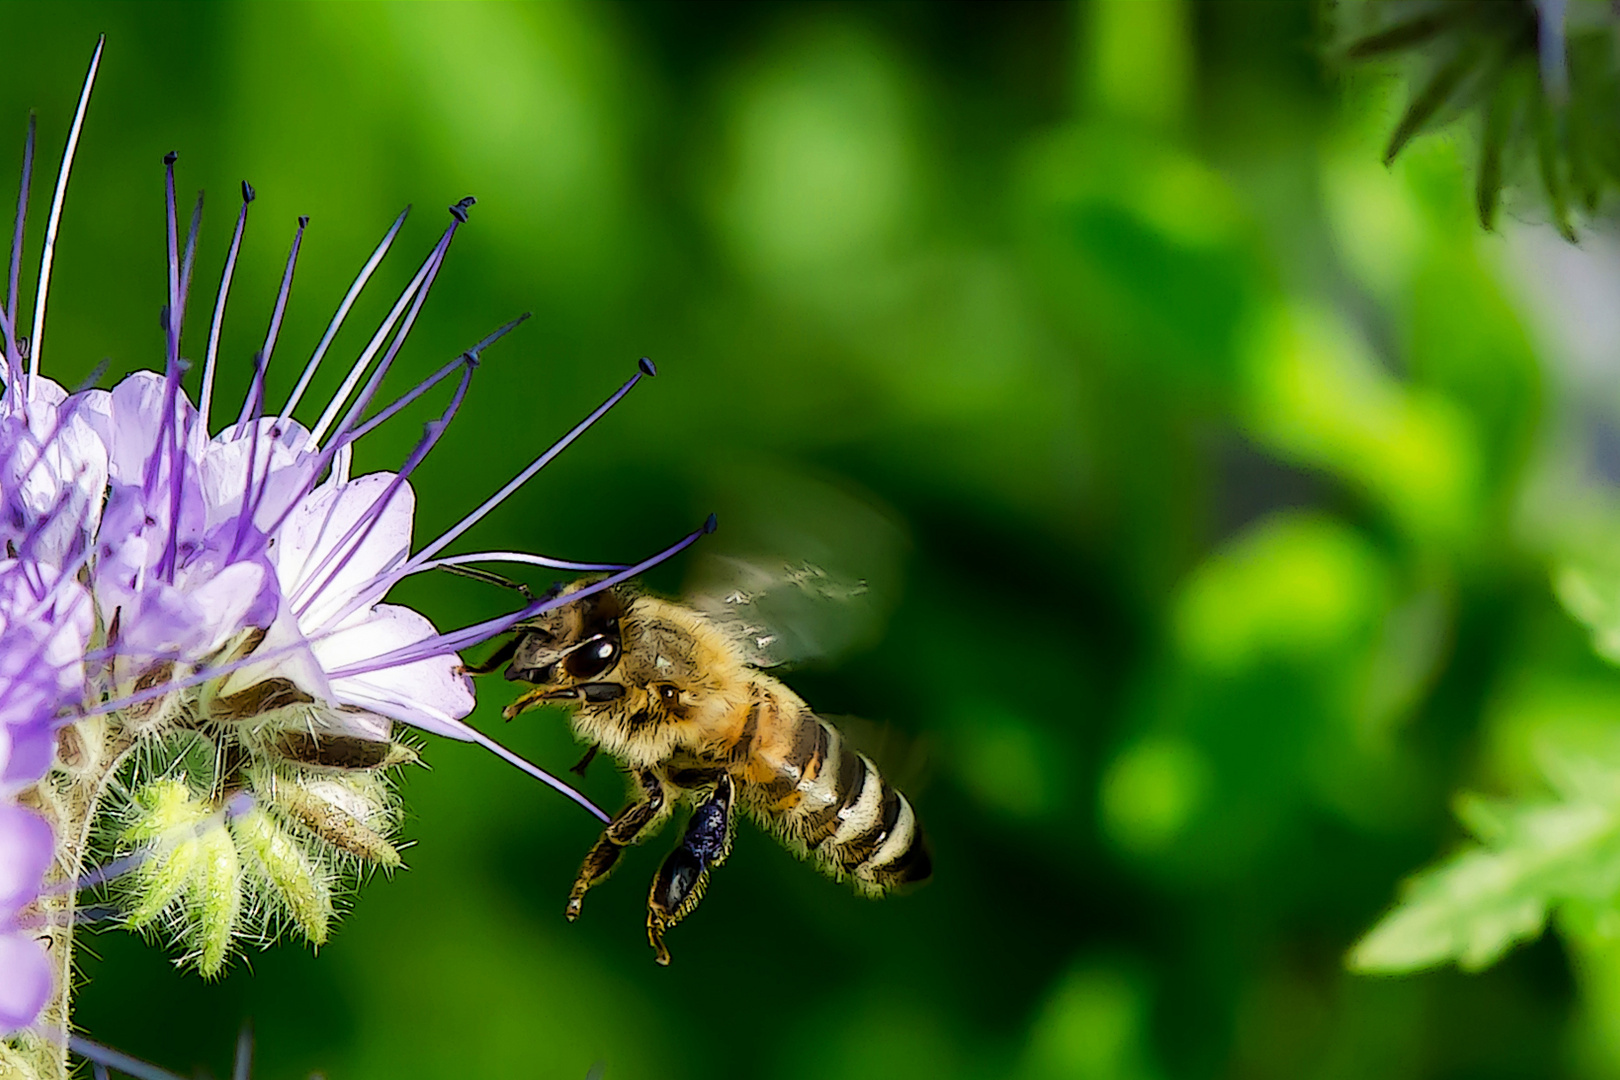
[[32, 746], [431, 694], [26, 849], [138, 405], [26, 980], [311, 543]]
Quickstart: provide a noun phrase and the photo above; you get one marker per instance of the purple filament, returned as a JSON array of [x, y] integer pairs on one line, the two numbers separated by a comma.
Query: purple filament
[[55, 220], [435, 262], [469, 358], [177, 474], [250, 409], [188, 261], [538, 773], [205, 399], [106, 1057], [359, 367], [518, 481], [342, 313], [468, 636], [362, 528], [244, 520], [101, 874], [172, 312], [13, 363]]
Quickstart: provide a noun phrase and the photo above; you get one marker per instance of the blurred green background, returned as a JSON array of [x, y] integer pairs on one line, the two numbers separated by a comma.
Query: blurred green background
[[1208, 477]]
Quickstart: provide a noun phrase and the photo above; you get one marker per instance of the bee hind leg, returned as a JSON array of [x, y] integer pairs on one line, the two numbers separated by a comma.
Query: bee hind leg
[[627, 828], [685, 873]]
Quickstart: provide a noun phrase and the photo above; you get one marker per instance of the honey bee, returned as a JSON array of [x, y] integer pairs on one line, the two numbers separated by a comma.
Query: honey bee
[[676, 698]]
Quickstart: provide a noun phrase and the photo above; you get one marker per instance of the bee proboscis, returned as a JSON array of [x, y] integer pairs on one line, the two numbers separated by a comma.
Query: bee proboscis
[[664, 689]]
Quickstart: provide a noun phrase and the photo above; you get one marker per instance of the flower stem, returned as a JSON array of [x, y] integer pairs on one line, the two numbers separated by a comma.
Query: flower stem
[[92, 751]]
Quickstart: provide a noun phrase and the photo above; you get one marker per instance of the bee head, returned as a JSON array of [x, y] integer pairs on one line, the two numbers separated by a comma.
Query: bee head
[[572, 647]]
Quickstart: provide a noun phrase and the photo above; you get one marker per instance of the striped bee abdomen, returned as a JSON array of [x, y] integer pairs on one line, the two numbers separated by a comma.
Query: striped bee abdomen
[[833, 800]]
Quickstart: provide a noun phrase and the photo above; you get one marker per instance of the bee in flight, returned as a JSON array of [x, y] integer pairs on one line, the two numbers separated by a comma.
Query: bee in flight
[[677, 699]]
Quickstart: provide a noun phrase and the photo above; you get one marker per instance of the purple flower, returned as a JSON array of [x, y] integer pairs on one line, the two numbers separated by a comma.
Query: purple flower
[[45, 623], [26, 978], [222, 599]]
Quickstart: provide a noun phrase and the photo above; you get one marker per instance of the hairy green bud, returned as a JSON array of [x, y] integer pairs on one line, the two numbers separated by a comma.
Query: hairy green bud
[[167, 819], [290, 875], [214, 898]]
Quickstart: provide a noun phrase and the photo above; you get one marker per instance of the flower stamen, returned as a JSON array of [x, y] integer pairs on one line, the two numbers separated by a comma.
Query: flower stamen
[[55, 220]]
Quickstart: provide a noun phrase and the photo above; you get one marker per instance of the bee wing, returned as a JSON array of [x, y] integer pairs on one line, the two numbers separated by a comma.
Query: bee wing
[[814, 569], [905, 759], [785, 613]]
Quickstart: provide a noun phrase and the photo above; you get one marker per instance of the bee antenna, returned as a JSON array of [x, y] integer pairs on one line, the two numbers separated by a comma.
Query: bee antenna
[[491, 578]]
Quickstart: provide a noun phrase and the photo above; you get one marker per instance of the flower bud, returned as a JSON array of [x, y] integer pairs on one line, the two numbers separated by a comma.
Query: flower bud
[[166, 819], [214, 898], [341, 814], [289, 874]]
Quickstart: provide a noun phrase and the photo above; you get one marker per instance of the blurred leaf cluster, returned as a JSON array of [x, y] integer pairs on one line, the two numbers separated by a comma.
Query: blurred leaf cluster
[[1211, 482], [1540, 77]]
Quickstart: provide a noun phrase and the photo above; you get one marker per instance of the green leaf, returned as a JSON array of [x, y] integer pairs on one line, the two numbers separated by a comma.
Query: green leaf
[[1591, 594], [1474, 906], [1428, 102]]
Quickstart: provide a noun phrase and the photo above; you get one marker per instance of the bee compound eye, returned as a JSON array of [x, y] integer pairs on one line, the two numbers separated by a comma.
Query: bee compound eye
[[592, 658], [534, 675]]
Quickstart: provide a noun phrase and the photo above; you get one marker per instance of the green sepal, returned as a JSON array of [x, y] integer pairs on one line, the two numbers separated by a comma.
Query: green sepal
[[214, 899], [287, 870]]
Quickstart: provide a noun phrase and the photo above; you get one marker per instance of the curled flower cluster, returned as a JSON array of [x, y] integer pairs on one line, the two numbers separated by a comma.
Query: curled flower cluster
[[199, 676]]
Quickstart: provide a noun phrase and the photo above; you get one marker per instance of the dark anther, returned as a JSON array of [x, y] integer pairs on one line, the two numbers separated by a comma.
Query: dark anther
[[303, 221], [170, 158], [248, 194], [647, 366], [712, 524], [163, 317], [459, 211], [470, 358]]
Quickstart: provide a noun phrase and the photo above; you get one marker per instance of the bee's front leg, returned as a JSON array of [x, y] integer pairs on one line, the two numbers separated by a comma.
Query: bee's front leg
[[495, 659], [681, 880], [625, 829]]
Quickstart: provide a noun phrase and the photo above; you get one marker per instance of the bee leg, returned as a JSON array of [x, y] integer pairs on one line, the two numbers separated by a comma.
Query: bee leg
[[579, 767], [685, 873], [625, 829], [495, 660]]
